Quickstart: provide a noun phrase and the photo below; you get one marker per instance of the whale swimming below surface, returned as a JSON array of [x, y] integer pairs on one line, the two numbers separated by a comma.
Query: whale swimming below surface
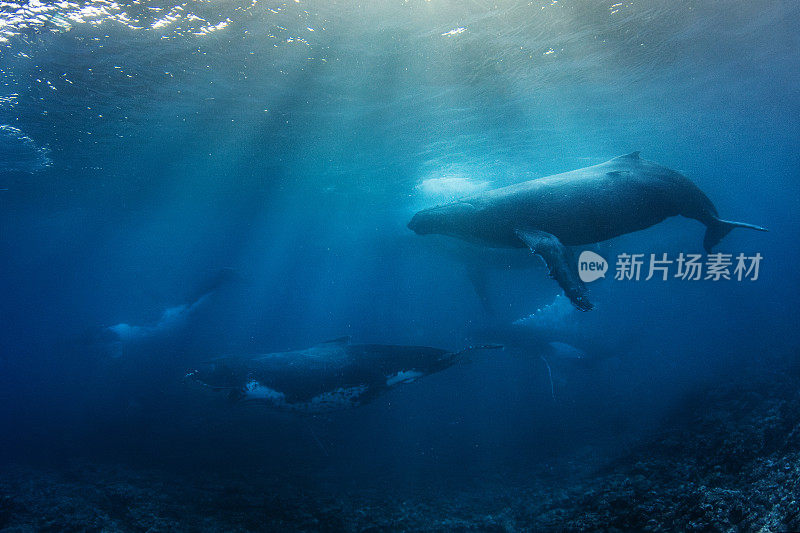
[[583, 206], [120, 336], [478, 263], [330, 376]]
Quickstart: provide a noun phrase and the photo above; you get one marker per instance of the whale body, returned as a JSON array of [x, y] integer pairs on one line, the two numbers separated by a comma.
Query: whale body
[[579, 207], [330, 376]]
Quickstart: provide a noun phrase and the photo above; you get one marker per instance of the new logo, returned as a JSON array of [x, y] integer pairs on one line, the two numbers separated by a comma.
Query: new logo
[[591, 266]]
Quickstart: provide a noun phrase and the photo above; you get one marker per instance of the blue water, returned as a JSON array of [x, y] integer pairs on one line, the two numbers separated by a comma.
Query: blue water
[[145, 147]]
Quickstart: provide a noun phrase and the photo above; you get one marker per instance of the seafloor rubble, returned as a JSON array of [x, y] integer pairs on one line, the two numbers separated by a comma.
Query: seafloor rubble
[[729, 460]]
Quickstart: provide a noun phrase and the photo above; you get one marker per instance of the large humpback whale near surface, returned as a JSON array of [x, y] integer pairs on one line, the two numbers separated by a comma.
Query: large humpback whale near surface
[[579, 207], [330, 376]]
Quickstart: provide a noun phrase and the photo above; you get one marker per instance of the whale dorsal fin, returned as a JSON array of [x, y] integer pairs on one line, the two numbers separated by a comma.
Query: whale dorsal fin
[[338, 340], [632, 155]]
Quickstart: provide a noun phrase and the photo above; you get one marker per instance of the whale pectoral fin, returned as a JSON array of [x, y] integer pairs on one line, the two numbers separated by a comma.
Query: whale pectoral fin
[[560, 263]]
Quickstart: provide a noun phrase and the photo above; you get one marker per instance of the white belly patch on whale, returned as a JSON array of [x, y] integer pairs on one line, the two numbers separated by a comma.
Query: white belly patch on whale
[[403, 376], [256, 391], [340, 398]]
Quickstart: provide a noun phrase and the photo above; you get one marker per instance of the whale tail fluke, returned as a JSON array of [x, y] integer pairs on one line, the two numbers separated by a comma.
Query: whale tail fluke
[[718, 228]]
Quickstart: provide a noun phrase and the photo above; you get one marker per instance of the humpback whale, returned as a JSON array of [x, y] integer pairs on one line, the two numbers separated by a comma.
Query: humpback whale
[[579, 207], [172, 319], [330, 376]]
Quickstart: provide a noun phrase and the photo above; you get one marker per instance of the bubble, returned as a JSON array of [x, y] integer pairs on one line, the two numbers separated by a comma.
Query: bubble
[[19, 153]]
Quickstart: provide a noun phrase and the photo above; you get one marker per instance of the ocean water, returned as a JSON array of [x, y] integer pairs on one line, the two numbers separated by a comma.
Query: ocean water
[[185, 181]]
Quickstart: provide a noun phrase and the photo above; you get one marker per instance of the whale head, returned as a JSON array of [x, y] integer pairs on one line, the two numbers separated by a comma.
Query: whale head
[[220, 374], [451, 219], [423, 223]]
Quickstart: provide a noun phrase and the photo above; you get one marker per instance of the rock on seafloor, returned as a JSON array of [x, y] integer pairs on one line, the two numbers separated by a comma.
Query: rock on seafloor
[[729, 460]]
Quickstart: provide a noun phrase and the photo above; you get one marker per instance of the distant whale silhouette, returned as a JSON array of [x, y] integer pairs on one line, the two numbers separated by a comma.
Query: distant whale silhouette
[[330, 376], [579, 207], [172, 318], [478, 263]]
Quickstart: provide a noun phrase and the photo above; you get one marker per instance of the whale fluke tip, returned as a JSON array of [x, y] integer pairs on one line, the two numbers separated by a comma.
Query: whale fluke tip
[[718, 228]]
